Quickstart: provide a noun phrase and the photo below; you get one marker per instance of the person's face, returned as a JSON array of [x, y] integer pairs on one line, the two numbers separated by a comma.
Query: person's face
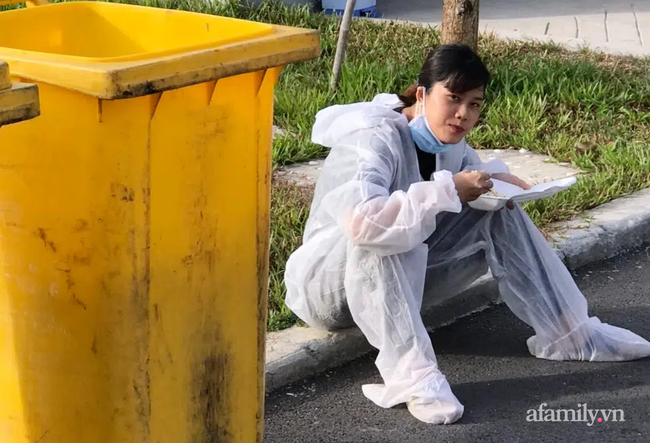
[[451, 115]]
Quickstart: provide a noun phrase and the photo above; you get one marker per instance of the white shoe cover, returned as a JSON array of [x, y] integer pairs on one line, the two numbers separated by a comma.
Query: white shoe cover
[[439, 408], [442, 411], [427, 394], [591, 341]]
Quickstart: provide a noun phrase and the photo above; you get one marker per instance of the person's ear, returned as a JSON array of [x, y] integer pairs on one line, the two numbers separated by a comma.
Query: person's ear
[[419, 95]]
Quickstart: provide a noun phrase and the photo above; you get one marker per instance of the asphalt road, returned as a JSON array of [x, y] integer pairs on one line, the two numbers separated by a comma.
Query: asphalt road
[[491, 372]]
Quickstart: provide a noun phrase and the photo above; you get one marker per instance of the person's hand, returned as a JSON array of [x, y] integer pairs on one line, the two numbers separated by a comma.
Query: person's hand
[[472, 184], [512, 179]]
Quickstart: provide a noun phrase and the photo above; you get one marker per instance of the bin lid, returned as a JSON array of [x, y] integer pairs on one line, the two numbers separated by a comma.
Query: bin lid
[[113, 51], [18, 101]]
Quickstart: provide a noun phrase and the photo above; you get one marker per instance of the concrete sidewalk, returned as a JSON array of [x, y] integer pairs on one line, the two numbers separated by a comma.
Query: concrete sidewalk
[[615, 26]]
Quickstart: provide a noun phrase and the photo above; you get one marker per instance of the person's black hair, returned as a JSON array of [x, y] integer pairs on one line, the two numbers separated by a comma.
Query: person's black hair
[[456, 66]]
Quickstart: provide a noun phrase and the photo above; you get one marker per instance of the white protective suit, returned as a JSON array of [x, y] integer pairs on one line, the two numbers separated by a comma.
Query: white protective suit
[[377, 231]]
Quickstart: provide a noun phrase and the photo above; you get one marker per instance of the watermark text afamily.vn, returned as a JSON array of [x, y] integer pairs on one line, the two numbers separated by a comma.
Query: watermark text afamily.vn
[[581, 414]]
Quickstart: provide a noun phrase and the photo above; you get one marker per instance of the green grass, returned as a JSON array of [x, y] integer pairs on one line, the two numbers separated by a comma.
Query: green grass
[[541, 98], [289, 210]]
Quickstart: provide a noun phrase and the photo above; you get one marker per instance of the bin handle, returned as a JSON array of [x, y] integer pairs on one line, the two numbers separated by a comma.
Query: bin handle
[[29, 3], [5, 80]]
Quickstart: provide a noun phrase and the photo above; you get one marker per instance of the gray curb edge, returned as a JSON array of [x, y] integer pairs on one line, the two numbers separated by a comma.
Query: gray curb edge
[[601, 233]]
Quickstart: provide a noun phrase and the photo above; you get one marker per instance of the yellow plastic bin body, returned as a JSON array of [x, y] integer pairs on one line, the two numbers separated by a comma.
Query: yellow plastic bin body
[[134, 222]]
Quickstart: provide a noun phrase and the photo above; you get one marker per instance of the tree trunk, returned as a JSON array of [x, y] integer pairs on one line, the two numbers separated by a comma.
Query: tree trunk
[[342, 44], [460, 22]]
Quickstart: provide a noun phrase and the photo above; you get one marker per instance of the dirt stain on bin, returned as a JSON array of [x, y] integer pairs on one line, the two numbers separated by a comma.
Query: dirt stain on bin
[[70, 284], [81, 225], [40, 233], [81, 260], [139, 246], [212, 386], [122, 192], [137, 90]]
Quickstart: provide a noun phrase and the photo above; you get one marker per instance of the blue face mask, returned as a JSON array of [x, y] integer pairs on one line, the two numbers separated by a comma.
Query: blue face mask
[[423, 135]]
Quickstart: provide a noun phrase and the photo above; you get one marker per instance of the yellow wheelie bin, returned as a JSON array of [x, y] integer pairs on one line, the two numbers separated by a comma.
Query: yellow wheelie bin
[[134, 224]]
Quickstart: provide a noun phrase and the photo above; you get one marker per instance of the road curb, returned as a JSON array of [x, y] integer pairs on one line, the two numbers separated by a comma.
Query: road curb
[[601, 233]]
